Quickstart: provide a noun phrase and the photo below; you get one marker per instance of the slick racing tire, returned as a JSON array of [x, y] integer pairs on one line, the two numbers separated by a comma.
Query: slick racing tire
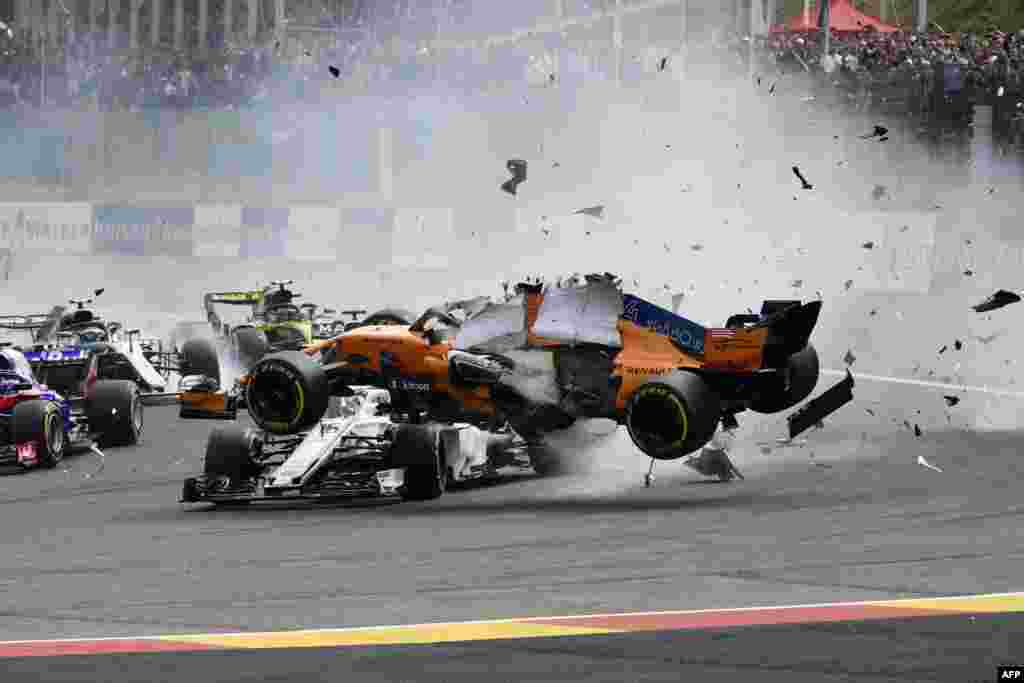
[[41, 422], [286, 392], [421, 450], [673, 415], [803, 367], [231, 452], [388, 316], [199, 357], [114, 411], [250, 344]]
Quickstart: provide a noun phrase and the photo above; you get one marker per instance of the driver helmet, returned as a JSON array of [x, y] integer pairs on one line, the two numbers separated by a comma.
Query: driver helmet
[[92, 335], [14, 361]]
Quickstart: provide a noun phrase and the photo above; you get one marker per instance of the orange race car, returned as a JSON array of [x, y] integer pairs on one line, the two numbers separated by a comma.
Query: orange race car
[[547, 357]]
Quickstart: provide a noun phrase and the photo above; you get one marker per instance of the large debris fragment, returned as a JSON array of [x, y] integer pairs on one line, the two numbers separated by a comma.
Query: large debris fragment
[[998, 300], [517, 167], [820, 407], [582, 315]]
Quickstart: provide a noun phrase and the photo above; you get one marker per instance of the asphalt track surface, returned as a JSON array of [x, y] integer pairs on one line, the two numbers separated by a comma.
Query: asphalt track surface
[[102, 548]]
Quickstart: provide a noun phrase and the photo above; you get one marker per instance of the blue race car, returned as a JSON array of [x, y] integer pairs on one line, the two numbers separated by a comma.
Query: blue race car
[[39, 425]]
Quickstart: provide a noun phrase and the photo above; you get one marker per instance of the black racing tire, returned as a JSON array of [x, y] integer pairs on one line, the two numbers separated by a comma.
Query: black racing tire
[[41, 422], [114, 411], [286, 392], [250, 344], [389, 316], [426, 475], [231, 452], [199, 357], [804, 368], [673, 415]]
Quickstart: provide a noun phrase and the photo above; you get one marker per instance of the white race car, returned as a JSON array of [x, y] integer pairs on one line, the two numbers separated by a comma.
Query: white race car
[[356, 450]]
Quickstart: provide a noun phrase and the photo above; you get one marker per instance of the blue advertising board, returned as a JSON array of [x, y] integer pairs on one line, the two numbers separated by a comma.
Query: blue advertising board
[[143, 231], [686, 333]]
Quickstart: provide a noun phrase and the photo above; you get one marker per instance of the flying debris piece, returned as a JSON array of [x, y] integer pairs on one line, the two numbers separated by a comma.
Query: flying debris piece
[[697, 247], [771, 90], [884, 139], [951, 400], [517, 167], [879, 132], [943, 349], [803, 181], [969, 273], [796, 284], [817, 409], [873, 312], [849, 358], [879, 192], [917, 431], [593, 211], [869, 412], [1001, 91], [759, 81], [998, 300], [664, 62], [924, 463], [335, 71], [847, 285], [958, 345], [868, 245], [556, 165]]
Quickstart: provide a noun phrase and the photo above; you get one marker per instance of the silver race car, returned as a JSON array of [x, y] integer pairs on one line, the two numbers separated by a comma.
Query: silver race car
[[357, 449]]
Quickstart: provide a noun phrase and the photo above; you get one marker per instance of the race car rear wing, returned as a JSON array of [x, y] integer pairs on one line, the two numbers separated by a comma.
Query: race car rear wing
[[251, 298]]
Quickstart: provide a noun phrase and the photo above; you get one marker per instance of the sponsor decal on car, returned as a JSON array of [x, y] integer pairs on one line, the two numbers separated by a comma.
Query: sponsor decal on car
[[647, 371], [686, 333], [410, 385]]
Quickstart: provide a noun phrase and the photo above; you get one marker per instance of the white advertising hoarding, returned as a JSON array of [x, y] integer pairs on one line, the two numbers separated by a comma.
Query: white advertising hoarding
[[63, 227]]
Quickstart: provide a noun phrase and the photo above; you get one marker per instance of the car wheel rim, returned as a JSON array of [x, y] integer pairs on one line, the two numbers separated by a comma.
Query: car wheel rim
[[55, 436]]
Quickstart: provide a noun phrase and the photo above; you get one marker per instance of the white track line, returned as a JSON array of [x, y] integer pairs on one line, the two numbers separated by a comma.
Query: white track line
[[926, 384]]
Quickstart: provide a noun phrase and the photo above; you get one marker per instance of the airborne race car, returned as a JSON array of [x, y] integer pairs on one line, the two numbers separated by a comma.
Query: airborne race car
[[359, 449], [549, 357]]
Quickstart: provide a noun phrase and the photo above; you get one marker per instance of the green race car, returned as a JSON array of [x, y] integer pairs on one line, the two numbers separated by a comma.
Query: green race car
[[274, 322]]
